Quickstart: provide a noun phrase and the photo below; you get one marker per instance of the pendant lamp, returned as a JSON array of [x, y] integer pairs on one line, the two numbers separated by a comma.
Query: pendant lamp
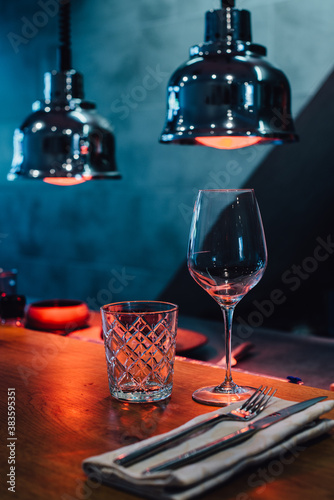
[[227, 95], [64, 141]]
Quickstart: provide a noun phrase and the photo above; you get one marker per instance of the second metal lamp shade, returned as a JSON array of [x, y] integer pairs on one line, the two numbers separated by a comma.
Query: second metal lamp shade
[[227, 95], [64, 141]]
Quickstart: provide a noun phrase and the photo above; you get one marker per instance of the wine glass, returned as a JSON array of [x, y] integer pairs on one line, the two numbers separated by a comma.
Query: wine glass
[[227, 257]]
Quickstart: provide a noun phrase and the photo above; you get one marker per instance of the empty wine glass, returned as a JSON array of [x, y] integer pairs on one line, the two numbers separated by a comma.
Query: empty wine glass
[[227, 257]]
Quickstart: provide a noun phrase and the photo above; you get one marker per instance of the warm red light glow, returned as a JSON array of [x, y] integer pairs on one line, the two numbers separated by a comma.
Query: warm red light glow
[[64, 181], [225, 142]]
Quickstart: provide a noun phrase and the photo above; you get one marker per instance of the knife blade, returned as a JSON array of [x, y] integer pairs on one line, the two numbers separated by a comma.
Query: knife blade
[[234, 438]]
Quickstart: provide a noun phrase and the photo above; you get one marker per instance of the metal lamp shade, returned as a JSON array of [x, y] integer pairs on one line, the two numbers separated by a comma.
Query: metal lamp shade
[[64, 141], [227, 95]]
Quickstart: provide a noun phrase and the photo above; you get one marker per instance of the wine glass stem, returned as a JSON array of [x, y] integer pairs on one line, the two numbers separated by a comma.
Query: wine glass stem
[[228, 383]]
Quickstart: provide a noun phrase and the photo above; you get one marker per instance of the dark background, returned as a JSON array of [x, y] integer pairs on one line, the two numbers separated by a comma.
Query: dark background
[[124, 240]]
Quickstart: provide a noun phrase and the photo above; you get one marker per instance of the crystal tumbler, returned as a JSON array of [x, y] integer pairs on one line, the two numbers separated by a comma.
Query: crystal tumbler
[[139, 340]]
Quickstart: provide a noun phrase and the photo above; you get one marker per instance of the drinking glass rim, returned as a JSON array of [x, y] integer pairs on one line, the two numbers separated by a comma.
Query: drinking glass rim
[[107, 308]]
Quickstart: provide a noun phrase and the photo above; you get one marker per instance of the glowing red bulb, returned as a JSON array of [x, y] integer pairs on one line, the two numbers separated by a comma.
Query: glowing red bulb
[[224, 142], [65, 181]]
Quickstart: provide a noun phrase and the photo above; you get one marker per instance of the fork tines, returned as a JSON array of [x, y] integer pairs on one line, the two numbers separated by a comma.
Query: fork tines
[[259, 400]]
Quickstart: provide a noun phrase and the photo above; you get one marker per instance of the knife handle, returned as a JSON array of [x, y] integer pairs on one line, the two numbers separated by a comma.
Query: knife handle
[[204, 451]]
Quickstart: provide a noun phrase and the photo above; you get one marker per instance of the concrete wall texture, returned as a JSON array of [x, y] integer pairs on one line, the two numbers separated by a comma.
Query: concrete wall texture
[[107, 241]]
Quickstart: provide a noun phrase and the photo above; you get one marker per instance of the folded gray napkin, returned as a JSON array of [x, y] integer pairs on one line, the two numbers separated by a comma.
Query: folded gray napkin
[[192, 480]]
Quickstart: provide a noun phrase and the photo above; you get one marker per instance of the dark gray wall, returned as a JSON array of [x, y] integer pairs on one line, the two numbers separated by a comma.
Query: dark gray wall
[[107, 241]]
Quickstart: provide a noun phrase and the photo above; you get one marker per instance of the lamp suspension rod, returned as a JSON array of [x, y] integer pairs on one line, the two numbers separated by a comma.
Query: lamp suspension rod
[[228, 4], [64, 51]]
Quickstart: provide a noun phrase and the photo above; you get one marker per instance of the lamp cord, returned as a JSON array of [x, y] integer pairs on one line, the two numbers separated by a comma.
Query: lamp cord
[[64, 51]]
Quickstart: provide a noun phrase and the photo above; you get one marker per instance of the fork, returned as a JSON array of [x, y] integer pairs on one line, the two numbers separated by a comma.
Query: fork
[[248, 410]]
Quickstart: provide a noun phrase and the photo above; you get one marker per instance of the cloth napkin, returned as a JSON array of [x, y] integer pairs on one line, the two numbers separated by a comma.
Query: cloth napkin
[[275, 442]]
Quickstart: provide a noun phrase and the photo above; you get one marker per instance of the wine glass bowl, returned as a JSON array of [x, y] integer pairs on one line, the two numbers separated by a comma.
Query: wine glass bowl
[[227, 257]]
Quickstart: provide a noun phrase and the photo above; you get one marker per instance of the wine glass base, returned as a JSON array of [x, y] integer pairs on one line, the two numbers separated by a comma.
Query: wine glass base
[[213, 397]]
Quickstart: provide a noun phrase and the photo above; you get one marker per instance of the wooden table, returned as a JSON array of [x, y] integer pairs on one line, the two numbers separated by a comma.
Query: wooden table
[[64, 413]]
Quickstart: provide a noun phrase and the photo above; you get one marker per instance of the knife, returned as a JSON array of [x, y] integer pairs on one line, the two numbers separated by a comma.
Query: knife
[[234, 438]]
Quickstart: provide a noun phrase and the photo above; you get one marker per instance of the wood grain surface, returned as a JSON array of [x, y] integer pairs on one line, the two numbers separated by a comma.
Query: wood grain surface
[[64, 414]]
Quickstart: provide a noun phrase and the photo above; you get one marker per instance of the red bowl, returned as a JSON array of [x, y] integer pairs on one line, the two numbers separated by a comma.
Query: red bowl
[[57, 315]]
